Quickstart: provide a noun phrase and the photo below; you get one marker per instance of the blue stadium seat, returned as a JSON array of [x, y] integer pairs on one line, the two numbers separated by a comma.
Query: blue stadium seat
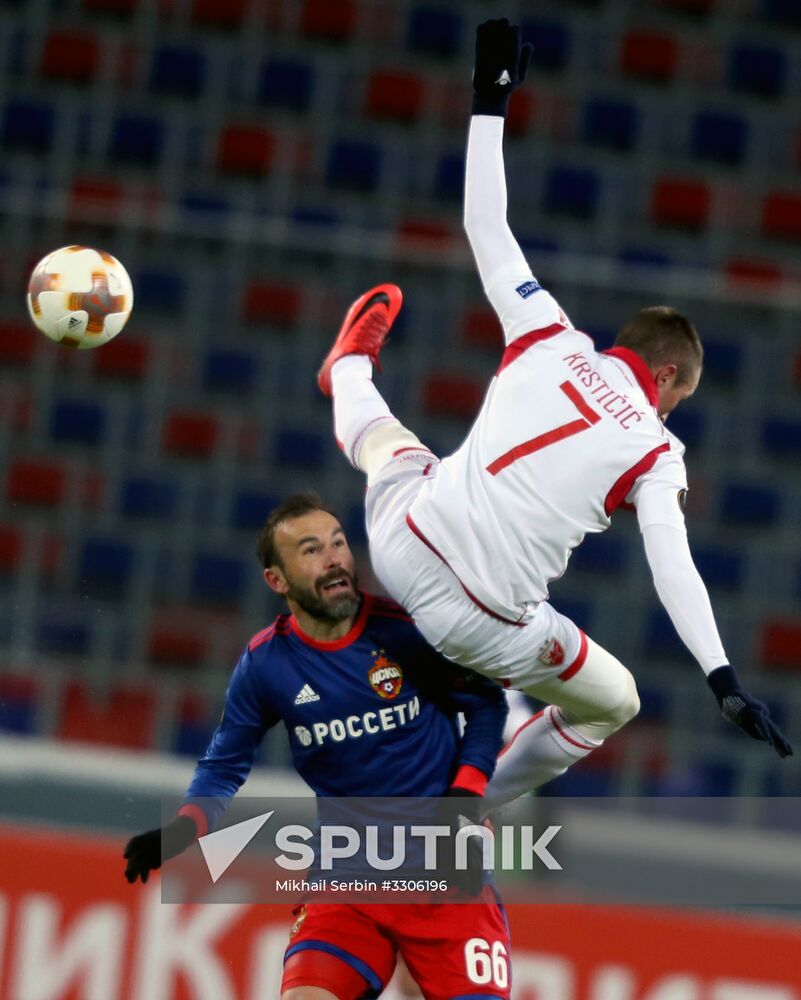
[[578, 611], [604, 554], [286, 83], [250, 509], [233, 371], [301, 448], [782, 11], [646, 257], [148, 497], [219, 580], [160, 289], [654, 702], [74, 421], [580, 781], [572, 191], [354, 164], [137, 139], [661, 639], [688, 423], [782, 438], [757, 69], [720, 567], [209, 205], [723, 361], [354, 526], [720, 137], [744, 503], [179, 70], [551, 41], [18, 709], [28, 125], [435, 29], [314, 215], [62, 634], [449, 177], [105, 568], [611, 123]]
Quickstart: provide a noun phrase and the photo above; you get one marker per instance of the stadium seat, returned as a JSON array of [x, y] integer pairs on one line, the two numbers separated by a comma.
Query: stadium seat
[[747, 504], [681, 203], [170, 646], [160, 290], [480, 327], [250, 509], [645, 256], [224, 14], [36, 482], [74, 421], [272, 303], [148, 497], [105, 568], [245, 150], [780, 644], [286, 83], [193, 727], [12, 545], [781, 438], [119, 8], [782, 12], [218, 580], [434, 29], [720, 567], [396, 96], [452, 395], [757, 69], [601, 554], [330, 20], [354, 164], [750, 271], [62, 634], [551, 41], [422, 233], [229, 371], [18, 344], [572, 191], [306, 449], [611, 123], [28, 125], [190, 434], [449, 177], [18, 703], [124, 716], [208, 207], [661, 639], [649, 55], [137, 140], [720, 137], [178, 70], [723, 362], [781, 216], [688, 423], [522, 113], [70, 56], [314, 216], [124, 358], [95, 195]]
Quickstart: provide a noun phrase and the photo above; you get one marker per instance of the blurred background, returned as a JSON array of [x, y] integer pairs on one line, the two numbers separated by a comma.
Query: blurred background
[[256, 164]]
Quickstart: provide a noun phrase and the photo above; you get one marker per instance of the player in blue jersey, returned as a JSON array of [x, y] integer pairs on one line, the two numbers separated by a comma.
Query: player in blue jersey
[[370, 709]]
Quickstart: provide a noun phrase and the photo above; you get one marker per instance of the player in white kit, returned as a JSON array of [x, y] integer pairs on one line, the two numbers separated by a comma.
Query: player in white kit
[[565, 436]]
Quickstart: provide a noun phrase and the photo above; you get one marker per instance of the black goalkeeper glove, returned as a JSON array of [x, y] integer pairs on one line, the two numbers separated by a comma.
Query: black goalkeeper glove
[[147, 851], [739, 707], [501, 64], [461, 808]]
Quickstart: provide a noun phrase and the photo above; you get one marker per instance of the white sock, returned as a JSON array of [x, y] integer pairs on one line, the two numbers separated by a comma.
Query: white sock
[[358, 405], [542, 749]]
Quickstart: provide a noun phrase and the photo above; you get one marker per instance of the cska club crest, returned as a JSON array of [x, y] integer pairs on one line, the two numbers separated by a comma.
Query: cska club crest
[[386, 677], [552, 653]]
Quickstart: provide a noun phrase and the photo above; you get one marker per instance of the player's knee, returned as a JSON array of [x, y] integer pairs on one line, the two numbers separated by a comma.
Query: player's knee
[[628, 704]]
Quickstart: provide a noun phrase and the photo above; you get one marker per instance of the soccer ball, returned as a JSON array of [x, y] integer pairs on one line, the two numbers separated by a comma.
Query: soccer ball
[[80, 297]]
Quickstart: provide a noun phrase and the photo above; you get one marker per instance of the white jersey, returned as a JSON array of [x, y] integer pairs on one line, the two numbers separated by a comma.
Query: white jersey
[[564, 437]]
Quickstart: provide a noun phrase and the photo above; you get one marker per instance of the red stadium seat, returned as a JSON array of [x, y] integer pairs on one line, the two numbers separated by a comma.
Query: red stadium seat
[[272, 303], [18, 344], [71, 56], [95, 194], [649, 55], [11, 548], [423, 232], [35, 482], [452, 395], [398, 96], [332, 20], [220, 13], [682, 203], [749, 271], [781, 216], [124, 716], [522, 110], [176, 647], [245, 149], [780, 644], [125, 358], [481, 328], [190, 434]]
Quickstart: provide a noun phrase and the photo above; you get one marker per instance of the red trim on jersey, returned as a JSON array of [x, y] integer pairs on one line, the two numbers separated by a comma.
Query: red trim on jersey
[[517, 732], [261, 637], [522, 344], [198, 817], [472, 779], [563, 734], [580, 402], [420, 448], [473, 598], [535, 444], [641, 371], [578, 663], [622, 488], [355, 630]]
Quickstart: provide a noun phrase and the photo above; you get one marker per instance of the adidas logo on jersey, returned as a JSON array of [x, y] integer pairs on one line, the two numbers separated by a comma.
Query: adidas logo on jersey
[[306, 694]]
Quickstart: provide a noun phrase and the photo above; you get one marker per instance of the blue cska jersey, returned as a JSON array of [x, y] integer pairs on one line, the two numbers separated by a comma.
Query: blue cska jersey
[[371, 714]]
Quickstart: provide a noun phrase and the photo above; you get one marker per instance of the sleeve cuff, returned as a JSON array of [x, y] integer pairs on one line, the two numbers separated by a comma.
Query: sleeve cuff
[[196, 814], [471, 779]]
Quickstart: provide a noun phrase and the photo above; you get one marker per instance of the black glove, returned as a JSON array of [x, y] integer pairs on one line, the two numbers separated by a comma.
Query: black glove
[[460, 808], [501, 64], [739, 707], [147, 851]]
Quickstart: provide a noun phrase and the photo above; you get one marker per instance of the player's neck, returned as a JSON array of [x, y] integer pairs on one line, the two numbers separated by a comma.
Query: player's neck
[[320, 628]]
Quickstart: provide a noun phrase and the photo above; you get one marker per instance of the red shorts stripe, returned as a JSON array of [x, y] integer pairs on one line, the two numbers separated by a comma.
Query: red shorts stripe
[[563, 734], [578, 663]]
